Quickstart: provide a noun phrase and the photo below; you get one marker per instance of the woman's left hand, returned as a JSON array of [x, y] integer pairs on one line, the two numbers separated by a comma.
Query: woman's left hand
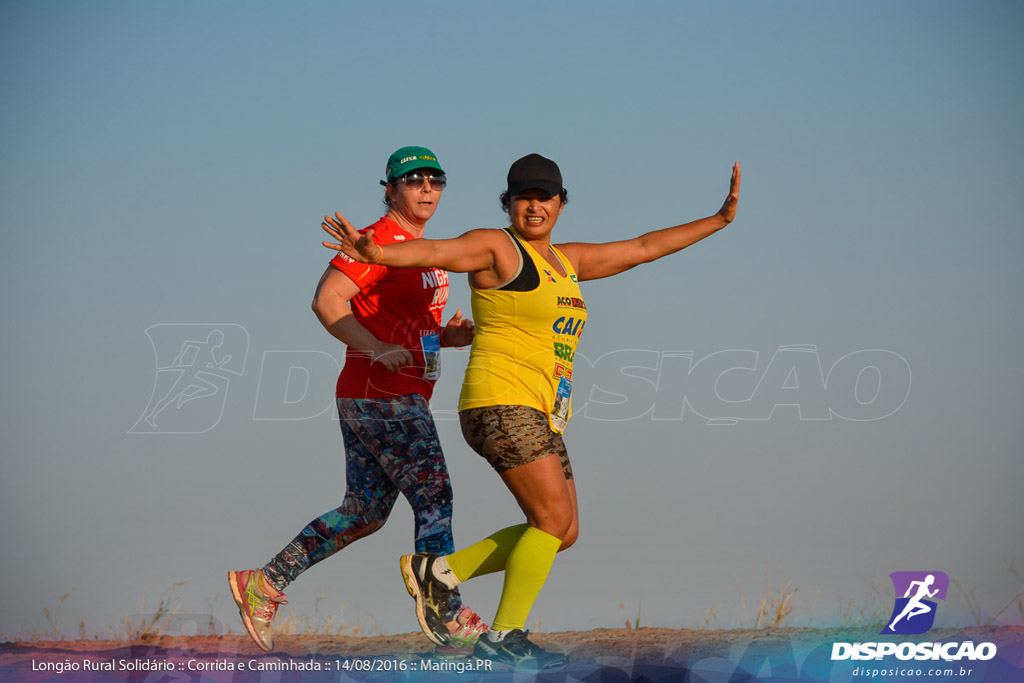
[[458, 331], [728, 210]]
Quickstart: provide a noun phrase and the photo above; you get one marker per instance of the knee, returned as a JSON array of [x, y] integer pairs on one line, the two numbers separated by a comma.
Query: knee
[[570, 537], [433, 499], [372, 511], [443, 493], [556, 520]]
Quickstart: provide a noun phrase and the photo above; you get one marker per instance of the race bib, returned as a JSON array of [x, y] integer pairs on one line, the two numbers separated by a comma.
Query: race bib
[[431, 345], [560, 411]]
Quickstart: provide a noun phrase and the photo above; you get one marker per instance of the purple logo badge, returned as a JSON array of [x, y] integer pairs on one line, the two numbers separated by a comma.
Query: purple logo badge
[[914, 610]]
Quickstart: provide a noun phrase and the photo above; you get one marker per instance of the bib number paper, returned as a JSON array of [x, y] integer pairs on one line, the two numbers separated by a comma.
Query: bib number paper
[[431, 344], [560, 411]]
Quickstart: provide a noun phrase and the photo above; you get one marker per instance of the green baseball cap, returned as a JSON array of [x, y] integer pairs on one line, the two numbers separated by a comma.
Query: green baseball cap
[[409, 159]]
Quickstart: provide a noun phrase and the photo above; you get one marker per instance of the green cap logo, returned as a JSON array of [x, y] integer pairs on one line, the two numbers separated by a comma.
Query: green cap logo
[[409, 159]]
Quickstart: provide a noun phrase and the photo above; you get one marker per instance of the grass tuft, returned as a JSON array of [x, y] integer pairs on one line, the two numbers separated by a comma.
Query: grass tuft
[[150, 626], [289, 623], [981, 618], [710, 619], [776, 608], [53, 619], [632, 625]]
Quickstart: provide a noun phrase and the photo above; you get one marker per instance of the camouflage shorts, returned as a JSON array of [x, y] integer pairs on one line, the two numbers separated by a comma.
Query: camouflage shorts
[[510, 436]]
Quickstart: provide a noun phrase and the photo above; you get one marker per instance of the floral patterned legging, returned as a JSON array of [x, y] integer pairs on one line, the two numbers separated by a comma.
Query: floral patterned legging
[[391, 447]]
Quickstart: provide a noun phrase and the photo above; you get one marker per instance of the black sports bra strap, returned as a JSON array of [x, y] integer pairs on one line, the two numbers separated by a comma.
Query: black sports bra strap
[[528, 278]]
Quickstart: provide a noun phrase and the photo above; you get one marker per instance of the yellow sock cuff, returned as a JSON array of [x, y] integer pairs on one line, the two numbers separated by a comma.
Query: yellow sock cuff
[[542, 538]]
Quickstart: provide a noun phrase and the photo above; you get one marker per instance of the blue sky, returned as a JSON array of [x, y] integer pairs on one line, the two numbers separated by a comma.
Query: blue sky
[[163, 172]]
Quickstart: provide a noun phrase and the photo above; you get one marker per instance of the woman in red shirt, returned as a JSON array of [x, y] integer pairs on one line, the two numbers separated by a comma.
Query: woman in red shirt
[[390, 320]]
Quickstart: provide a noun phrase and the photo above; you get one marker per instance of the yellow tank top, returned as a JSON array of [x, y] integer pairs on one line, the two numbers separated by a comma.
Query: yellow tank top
[[526, 336]]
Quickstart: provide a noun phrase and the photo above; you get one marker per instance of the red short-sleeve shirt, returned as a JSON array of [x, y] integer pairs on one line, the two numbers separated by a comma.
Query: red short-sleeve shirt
[[399, 306]]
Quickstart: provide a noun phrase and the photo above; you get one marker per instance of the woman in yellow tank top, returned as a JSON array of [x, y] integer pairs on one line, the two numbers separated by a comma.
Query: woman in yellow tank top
[[516, 396]]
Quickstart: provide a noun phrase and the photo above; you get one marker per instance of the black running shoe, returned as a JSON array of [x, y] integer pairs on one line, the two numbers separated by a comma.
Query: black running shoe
[[516, 650], [431, 596]]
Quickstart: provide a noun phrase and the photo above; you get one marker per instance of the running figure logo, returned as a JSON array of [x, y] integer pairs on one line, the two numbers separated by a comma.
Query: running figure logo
[[194, 365], [914, 613]]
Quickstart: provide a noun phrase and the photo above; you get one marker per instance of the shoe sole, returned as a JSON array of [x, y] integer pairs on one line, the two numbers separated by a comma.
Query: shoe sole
[[489, 652], [412, 585], [236, 592]]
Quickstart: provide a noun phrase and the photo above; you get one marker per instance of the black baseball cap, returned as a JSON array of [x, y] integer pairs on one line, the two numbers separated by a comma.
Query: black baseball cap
[[534, 171]]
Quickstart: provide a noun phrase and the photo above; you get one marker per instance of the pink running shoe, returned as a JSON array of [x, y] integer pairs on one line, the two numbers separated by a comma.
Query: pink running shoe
[[256, 604], [465, 630]]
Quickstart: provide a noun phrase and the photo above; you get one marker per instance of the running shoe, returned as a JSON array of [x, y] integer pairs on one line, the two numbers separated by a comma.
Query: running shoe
[[255, 604], [516, 650], [463, 632], [430, 594]]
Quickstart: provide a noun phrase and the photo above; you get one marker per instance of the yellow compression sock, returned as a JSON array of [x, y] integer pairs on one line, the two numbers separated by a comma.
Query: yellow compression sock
[[525, 572], [487, 556]]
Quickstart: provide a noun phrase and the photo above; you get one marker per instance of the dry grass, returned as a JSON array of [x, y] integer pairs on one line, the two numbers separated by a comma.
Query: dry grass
[[974, 605], [288, 623], [870, 614], [146, 626], [863, 616], [53, 619], [635, 624], [776, 609], [710, 618], [164, 620]]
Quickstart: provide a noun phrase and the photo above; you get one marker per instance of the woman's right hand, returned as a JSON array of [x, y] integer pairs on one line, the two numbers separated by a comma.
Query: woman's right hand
[[357, 246], [391, 356]]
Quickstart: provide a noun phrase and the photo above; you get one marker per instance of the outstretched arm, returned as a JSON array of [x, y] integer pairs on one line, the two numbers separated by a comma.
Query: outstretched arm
[[594, 261], [470, 252]]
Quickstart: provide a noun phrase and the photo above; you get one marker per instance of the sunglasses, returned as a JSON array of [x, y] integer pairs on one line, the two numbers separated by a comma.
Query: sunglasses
[[415, 181]]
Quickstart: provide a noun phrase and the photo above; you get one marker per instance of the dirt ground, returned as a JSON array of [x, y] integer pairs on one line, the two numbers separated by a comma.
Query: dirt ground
[[646, 654]]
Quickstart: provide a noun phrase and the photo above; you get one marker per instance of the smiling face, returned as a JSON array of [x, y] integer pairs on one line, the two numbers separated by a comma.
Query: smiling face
[[415, 203], [534, 212]]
